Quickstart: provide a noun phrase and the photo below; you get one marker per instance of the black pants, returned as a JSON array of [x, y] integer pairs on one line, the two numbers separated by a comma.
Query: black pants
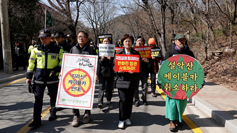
[[76, 112], [110, 86], [143, 79], [20, 62], [125, 103], [39, 94], [153, 81]]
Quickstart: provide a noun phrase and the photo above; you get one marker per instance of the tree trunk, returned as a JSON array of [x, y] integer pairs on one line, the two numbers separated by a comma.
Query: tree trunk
[[162, 39], [6, 44], [230, 35]]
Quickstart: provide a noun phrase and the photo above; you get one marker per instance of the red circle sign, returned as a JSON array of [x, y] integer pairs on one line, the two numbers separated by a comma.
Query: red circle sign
[[77, 82]]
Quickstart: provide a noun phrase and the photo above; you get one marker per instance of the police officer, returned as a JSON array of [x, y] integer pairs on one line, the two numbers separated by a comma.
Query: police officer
[[59, 37], [70, 39], [48, 56], [82, 47], [31, 47]]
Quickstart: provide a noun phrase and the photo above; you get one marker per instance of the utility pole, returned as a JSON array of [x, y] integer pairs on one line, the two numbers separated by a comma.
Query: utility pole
[[6, 44]]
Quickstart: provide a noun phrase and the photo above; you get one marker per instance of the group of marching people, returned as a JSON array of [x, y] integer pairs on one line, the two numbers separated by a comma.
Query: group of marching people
[[45, 63]]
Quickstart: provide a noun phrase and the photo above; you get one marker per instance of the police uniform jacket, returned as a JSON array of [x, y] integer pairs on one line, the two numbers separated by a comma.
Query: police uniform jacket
[[48, 63], [66, 47], [126, 80]]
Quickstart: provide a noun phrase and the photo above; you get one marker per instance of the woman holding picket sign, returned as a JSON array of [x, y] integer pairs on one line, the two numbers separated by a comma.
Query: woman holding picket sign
[[106, 74], [126, 83]]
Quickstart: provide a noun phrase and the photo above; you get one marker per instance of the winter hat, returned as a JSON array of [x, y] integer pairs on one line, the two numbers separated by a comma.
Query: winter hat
[[151, 41]]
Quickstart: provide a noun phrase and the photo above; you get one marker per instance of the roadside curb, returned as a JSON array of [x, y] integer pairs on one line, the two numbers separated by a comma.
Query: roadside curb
[[11, 78], [221, 117]]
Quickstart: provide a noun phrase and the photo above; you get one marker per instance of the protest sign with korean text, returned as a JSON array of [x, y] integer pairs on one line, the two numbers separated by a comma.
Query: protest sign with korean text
[[155, 52], [118, 49], [106, 50], [127, 63], [181, 77], [77, 83], [145, 51]]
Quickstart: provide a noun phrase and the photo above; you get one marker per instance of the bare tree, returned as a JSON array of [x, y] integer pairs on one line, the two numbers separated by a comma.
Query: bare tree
[[99, 14], [66, 10], [157, 33]]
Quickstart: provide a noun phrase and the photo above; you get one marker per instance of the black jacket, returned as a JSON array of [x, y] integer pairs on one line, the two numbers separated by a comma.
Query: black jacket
[[173, 51], [126, 80], [105, 67], [65, 46], [87, 50]]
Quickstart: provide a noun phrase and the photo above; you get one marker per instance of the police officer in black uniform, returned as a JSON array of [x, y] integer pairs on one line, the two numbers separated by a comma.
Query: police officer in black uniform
[[60, 40], [48, 56]]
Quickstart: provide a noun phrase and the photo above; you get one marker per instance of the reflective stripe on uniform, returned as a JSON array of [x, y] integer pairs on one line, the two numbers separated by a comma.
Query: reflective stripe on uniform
[[39, 53], [49, 82], [30, 71], [32, 59]]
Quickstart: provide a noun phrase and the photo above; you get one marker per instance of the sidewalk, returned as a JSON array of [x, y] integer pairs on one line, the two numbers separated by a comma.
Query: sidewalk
[[219, 103], [215, 100], [10, 77]]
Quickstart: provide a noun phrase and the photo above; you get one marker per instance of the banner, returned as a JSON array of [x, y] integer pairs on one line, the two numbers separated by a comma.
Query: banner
[[106, 50], [145, 51], [127, 62], [155, 52], [49, 21], [118, 49], [77, 83], [181, 77]]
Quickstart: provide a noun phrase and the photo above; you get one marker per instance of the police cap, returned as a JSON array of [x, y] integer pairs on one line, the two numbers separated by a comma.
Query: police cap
[[69, 36], [59, 34], [44, 33]]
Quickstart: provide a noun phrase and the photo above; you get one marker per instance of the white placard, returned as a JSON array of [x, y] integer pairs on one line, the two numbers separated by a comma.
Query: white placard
[[106, 50], [77, 83]]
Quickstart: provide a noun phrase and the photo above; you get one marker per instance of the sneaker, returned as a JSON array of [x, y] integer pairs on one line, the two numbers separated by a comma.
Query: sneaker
[[86, 118], [121, 124], [108, 102], [100, 105], [153, 94], [137, 104], [52, 117], [35, 124], [172, 127], [128, 122], [76, 121]]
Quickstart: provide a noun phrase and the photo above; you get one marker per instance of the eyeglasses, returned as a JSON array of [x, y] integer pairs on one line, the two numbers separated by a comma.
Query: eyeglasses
[[81, 37]]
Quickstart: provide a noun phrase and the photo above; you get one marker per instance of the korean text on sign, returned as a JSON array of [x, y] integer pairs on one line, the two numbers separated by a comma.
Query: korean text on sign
[[155, 52], [145, 51], [106, 50], [127, 63]]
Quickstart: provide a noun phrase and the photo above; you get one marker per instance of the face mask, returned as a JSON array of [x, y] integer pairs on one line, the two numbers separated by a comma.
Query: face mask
[[181, 46], [69, 41]]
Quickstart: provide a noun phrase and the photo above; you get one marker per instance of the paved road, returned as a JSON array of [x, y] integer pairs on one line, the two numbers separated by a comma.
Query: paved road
[[16, 109]]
